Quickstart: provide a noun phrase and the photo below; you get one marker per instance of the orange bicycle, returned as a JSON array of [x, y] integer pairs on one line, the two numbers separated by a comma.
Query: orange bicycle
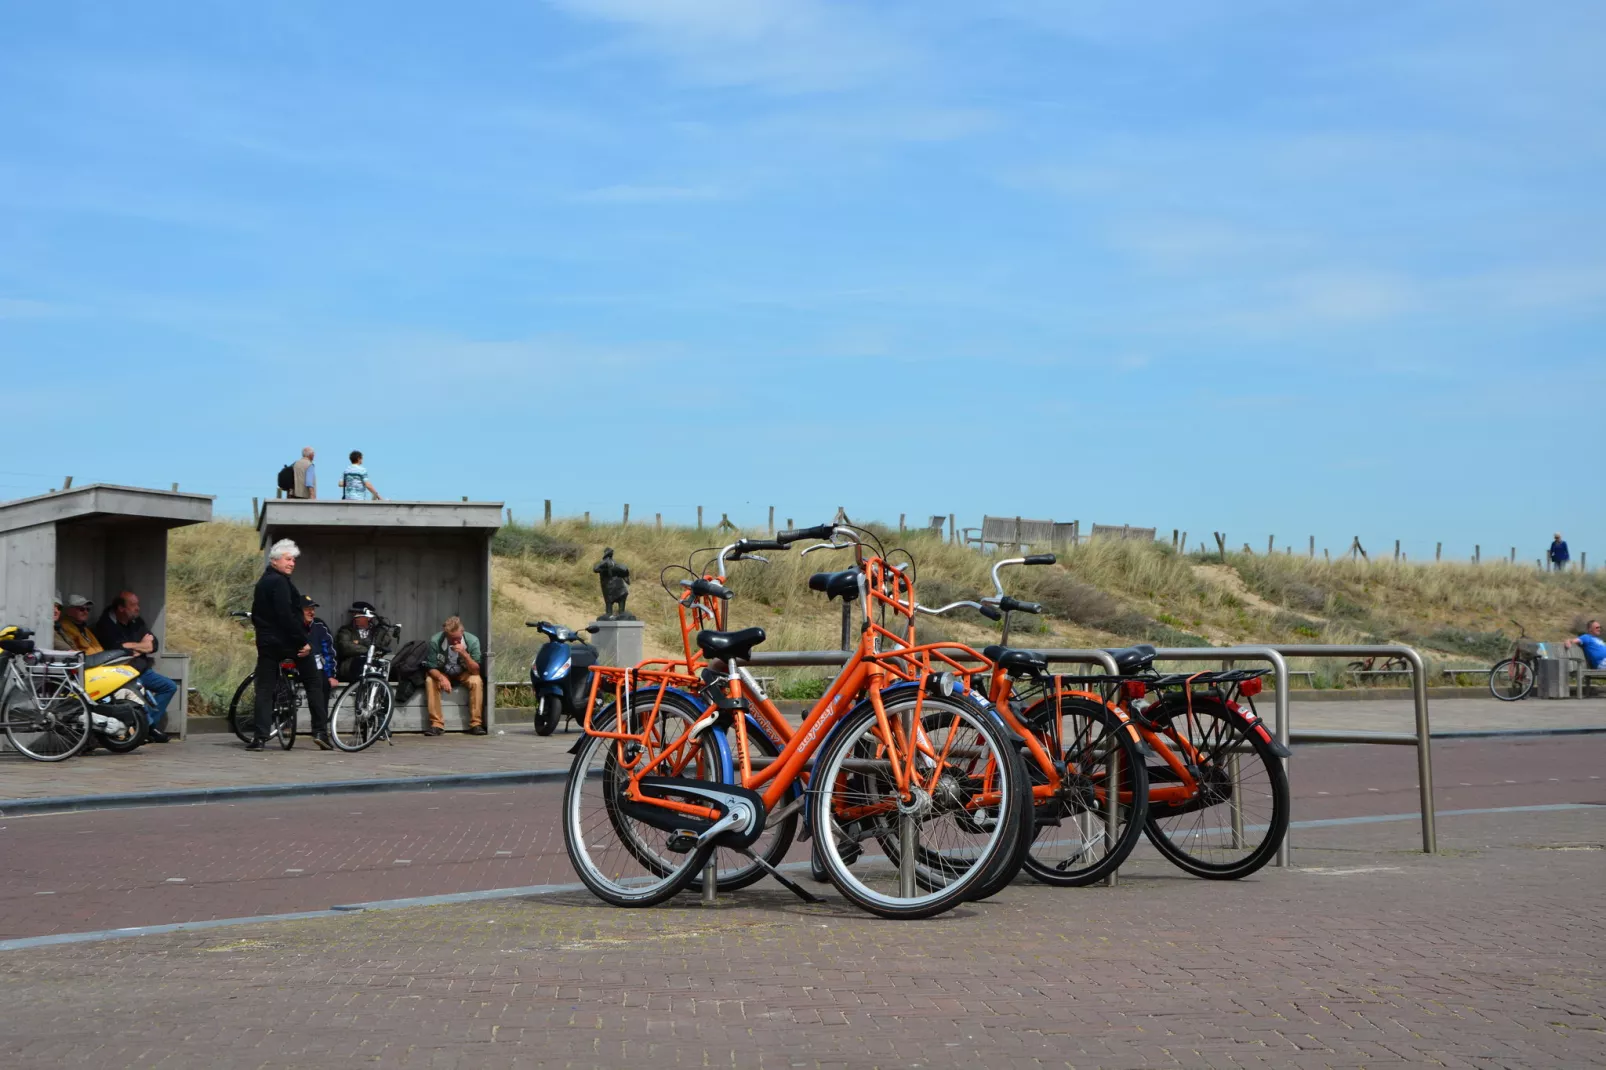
[[913, 788]]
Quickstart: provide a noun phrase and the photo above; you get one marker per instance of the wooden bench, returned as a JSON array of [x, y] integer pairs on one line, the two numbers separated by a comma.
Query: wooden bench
[[1121, 531], [1014, 531]]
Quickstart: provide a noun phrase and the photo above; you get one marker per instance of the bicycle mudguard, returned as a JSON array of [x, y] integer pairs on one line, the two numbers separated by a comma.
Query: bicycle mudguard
[[1258, 727], [701, 792]]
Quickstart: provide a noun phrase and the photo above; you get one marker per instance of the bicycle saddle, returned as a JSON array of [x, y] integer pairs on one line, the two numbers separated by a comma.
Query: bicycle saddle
[[1132, 660], [1016, 662], [107, 657], [722, 646], [844, 584]]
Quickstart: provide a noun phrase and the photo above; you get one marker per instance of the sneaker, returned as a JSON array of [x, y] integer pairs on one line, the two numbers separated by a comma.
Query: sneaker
[[323, 741], [477, 730], [433, 731], [156, 735], [257, 744]]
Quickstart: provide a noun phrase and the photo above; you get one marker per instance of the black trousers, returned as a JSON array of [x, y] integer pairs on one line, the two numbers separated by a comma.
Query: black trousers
[[267, 681]]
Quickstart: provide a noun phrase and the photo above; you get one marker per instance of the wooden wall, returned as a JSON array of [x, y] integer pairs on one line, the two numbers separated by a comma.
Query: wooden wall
[[28, 579], [97, 558], [416, 579]]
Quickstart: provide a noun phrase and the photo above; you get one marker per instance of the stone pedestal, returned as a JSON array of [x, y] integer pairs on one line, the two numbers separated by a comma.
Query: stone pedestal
[[618, 642]]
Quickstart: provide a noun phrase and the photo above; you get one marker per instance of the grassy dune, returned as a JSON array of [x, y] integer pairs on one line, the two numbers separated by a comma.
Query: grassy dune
[[1103, 593]]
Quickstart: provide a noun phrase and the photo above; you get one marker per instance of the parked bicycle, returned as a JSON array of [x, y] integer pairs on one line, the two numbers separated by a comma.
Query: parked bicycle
[[286, 701], [361, 712], [45, 716], [1513, 678]]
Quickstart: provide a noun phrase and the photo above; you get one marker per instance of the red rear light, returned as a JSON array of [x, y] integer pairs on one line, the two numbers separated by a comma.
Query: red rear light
[[1250, 687], [1133, 689]]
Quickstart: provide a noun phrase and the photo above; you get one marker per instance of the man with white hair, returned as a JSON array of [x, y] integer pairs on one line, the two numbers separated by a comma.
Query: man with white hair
[[281, 633]]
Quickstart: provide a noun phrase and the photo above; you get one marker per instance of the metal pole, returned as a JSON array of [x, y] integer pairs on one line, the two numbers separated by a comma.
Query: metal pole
[[906, 855], [710, 881], [1236, 775], [1112, 807], [1424, 751]]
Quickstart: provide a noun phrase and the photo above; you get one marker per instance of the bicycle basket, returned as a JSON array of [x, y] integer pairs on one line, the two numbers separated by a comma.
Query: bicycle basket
[[1527, 648]]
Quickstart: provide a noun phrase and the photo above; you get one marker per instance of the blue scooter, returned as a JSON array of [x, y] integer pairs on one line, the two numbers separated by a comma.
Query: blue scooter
[[559, 675]]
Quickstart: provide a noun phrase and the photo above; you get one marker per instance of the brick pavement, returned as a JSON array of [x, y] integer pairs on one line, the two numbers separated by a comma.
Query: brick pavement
[[208, 760], [1486, 956]]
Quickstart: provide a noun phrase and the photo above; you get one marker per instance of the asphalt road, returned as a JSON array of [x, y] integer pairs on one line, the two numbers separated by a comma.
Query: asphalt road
[[122, 868]]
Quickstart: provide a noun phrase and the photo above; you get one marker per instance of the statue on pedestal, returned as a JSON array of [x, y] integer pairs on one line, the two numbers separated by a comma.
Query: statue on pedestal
[[615, 579]]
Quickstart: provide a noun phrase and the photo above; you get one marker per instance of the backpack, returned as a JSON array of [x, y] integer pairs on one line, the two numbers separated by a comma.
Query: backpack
[[287, 478], [407, 667]]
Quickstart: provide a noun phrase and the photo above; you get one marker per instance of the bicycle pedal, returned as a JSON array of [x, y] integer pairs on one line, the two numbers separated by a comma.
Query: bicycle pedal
[[681, 842]]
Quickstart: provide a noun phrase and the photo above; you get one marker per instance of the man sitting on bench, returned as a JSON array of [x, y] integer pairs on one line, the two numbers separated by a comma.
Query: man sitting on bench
[[454, 658], [1594, 647], [73, 625], [121, 627], [353, 640]]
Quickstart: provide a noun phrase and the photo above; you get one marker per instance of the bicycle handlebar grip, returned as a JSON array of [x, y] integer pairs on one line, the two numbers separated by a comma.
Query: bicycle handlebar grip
[[990, 613], [1040, 559], [749, 545], [819, 531], [1007, 602], [709, 587]]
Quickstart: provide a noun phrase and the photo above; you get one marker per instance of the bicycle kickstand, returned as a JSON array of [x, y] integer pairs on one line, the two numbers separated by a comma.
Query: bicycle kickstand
[[795, 888]]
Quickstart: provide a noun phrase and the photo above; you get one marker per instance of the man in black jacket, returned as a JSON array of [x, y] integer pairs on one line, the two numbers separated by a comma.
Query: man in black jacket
[[281, 634]]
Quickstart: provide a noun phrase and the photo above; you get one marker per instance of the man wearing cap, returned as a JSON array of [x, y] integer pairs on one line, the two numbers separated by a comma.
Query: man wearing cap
[[352, 641], [122, 626], [73, 627], [322, 642]]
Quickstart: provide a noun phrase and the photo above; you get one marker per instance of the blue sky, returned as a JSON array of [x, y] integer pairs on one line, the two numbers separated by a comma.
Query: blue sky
[[1326, 268]]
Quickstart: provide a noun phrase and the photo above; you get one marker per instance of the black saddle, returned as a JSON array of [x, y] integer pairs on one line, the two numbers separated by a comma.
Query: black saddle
[[844, 584], [17, 646], [722, 646], [107, 657], [1016, 662], [1132, 660]]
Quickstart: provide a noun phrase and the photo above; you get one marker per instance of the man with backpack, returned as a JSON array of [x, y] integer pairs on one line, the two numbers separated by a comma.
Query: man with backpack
[[300, 480]]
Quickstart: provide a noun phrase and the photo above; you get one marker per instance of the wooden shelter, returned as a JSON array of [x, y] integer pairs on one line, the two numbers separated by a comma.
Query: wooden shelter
[[96, 540], [417, 562]]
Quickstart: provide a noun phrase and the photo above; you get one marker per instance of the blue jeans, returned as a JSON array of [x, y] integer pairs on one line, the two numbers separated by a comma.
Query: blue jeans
[[162, 690]]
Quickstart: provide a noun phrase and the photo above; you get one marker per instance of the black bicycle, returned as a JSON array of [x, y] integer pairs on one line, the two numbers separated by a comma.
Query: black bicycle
[[361, 712], [286, 701]]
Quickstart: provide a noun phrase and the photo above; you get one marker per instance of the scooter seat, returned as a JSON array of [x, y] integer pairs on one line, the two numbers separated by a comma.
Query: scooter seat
[[723, 646], [107, 657]]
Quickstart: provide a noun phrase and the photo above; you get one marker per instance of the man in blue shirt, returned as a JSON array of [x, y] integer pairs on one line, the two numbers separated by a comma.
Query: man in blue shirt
[[1558, 554], [354, 485], [1594, 647]]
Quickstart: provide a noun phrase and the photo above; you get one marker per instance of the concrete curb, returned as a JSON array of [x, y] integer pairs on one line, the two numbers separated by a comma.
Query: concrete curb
[[235, 793]]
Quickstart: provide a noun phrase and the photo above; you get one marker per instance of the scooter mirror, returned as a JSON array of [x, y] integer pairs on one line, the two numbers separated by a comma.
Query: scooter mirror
[[593, 629]]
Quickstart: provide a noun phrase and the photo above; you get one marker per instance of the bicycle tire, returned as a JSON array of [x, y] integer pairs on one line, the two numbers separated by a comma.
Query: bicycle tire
[[967, 848], [1185, 842], [1084, 754], [366, 716], [285, 709], [243, 721], [59, 729], [1511, 680], [1011, 858], [603, 842]]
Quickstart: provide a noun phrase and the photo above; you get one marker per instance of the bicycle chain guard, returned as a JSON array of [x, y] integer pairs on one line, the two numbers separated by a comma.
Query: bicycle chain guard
[[702, 792]]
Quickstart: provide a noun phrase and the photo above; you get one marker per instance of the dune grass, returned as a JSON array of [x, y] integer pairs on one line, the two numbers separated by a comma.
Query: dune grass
[[1109, 592]]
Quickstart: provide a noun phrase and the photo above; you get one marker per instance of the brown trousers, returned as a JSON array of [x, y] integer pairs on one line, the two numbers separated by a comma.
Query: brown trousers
[[476, 698]]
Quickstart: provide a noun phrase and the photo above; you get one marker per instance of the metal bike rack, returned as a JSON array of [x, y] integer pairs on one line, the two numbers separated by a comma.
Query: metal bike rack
[[1421, 739], [1276, 657]]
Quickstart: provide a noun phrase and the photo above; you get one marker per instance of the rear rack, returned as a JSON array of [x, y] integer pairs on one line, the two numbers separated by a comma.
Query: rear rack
[[1171, 679]]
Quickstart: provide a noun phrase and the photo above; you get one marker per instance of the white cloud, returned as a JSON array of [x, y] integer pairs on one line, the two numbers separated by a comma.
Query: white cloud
[[786, 45]]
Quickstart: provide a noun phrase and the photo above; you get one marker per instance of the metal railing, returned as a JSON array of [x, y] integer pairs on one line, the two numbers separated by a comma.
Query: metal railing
[[1274, 656]]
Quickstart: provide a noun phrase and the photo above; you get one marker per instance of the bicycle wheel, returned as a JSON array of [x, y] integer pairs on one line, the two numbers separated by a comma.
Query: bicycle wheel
[[360, 714], [623, 860], [53, 729], [733, 869], [1511, 680], [1230, 823], [284, 713], [1076, 840], [945, 836], [242, 709]]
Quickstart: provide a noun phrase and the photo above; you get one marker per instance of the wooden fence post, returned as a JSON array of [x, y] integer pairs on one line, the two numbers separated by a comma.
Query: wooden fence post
[[699, 518], [1221, 544], [256, 513], [1396, 551], [1438, 551], [627, 515], [1312, 555], [1583, 566], [725, 522], [66, 484], [1184, 541], [1477, 554], [510, 518], [901, 517], [1327, 558], [175, 490], [588, 518], [1513, 549], [546, 512], [953, 537], [1271, 544], [772, 525], [1173, 538], [789, 525], [657, 521]]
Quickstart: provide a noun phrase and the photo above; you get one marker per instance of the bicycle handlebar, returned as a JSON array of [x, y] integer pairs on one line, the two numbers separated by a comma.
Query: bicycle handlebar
[[818, 531]]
